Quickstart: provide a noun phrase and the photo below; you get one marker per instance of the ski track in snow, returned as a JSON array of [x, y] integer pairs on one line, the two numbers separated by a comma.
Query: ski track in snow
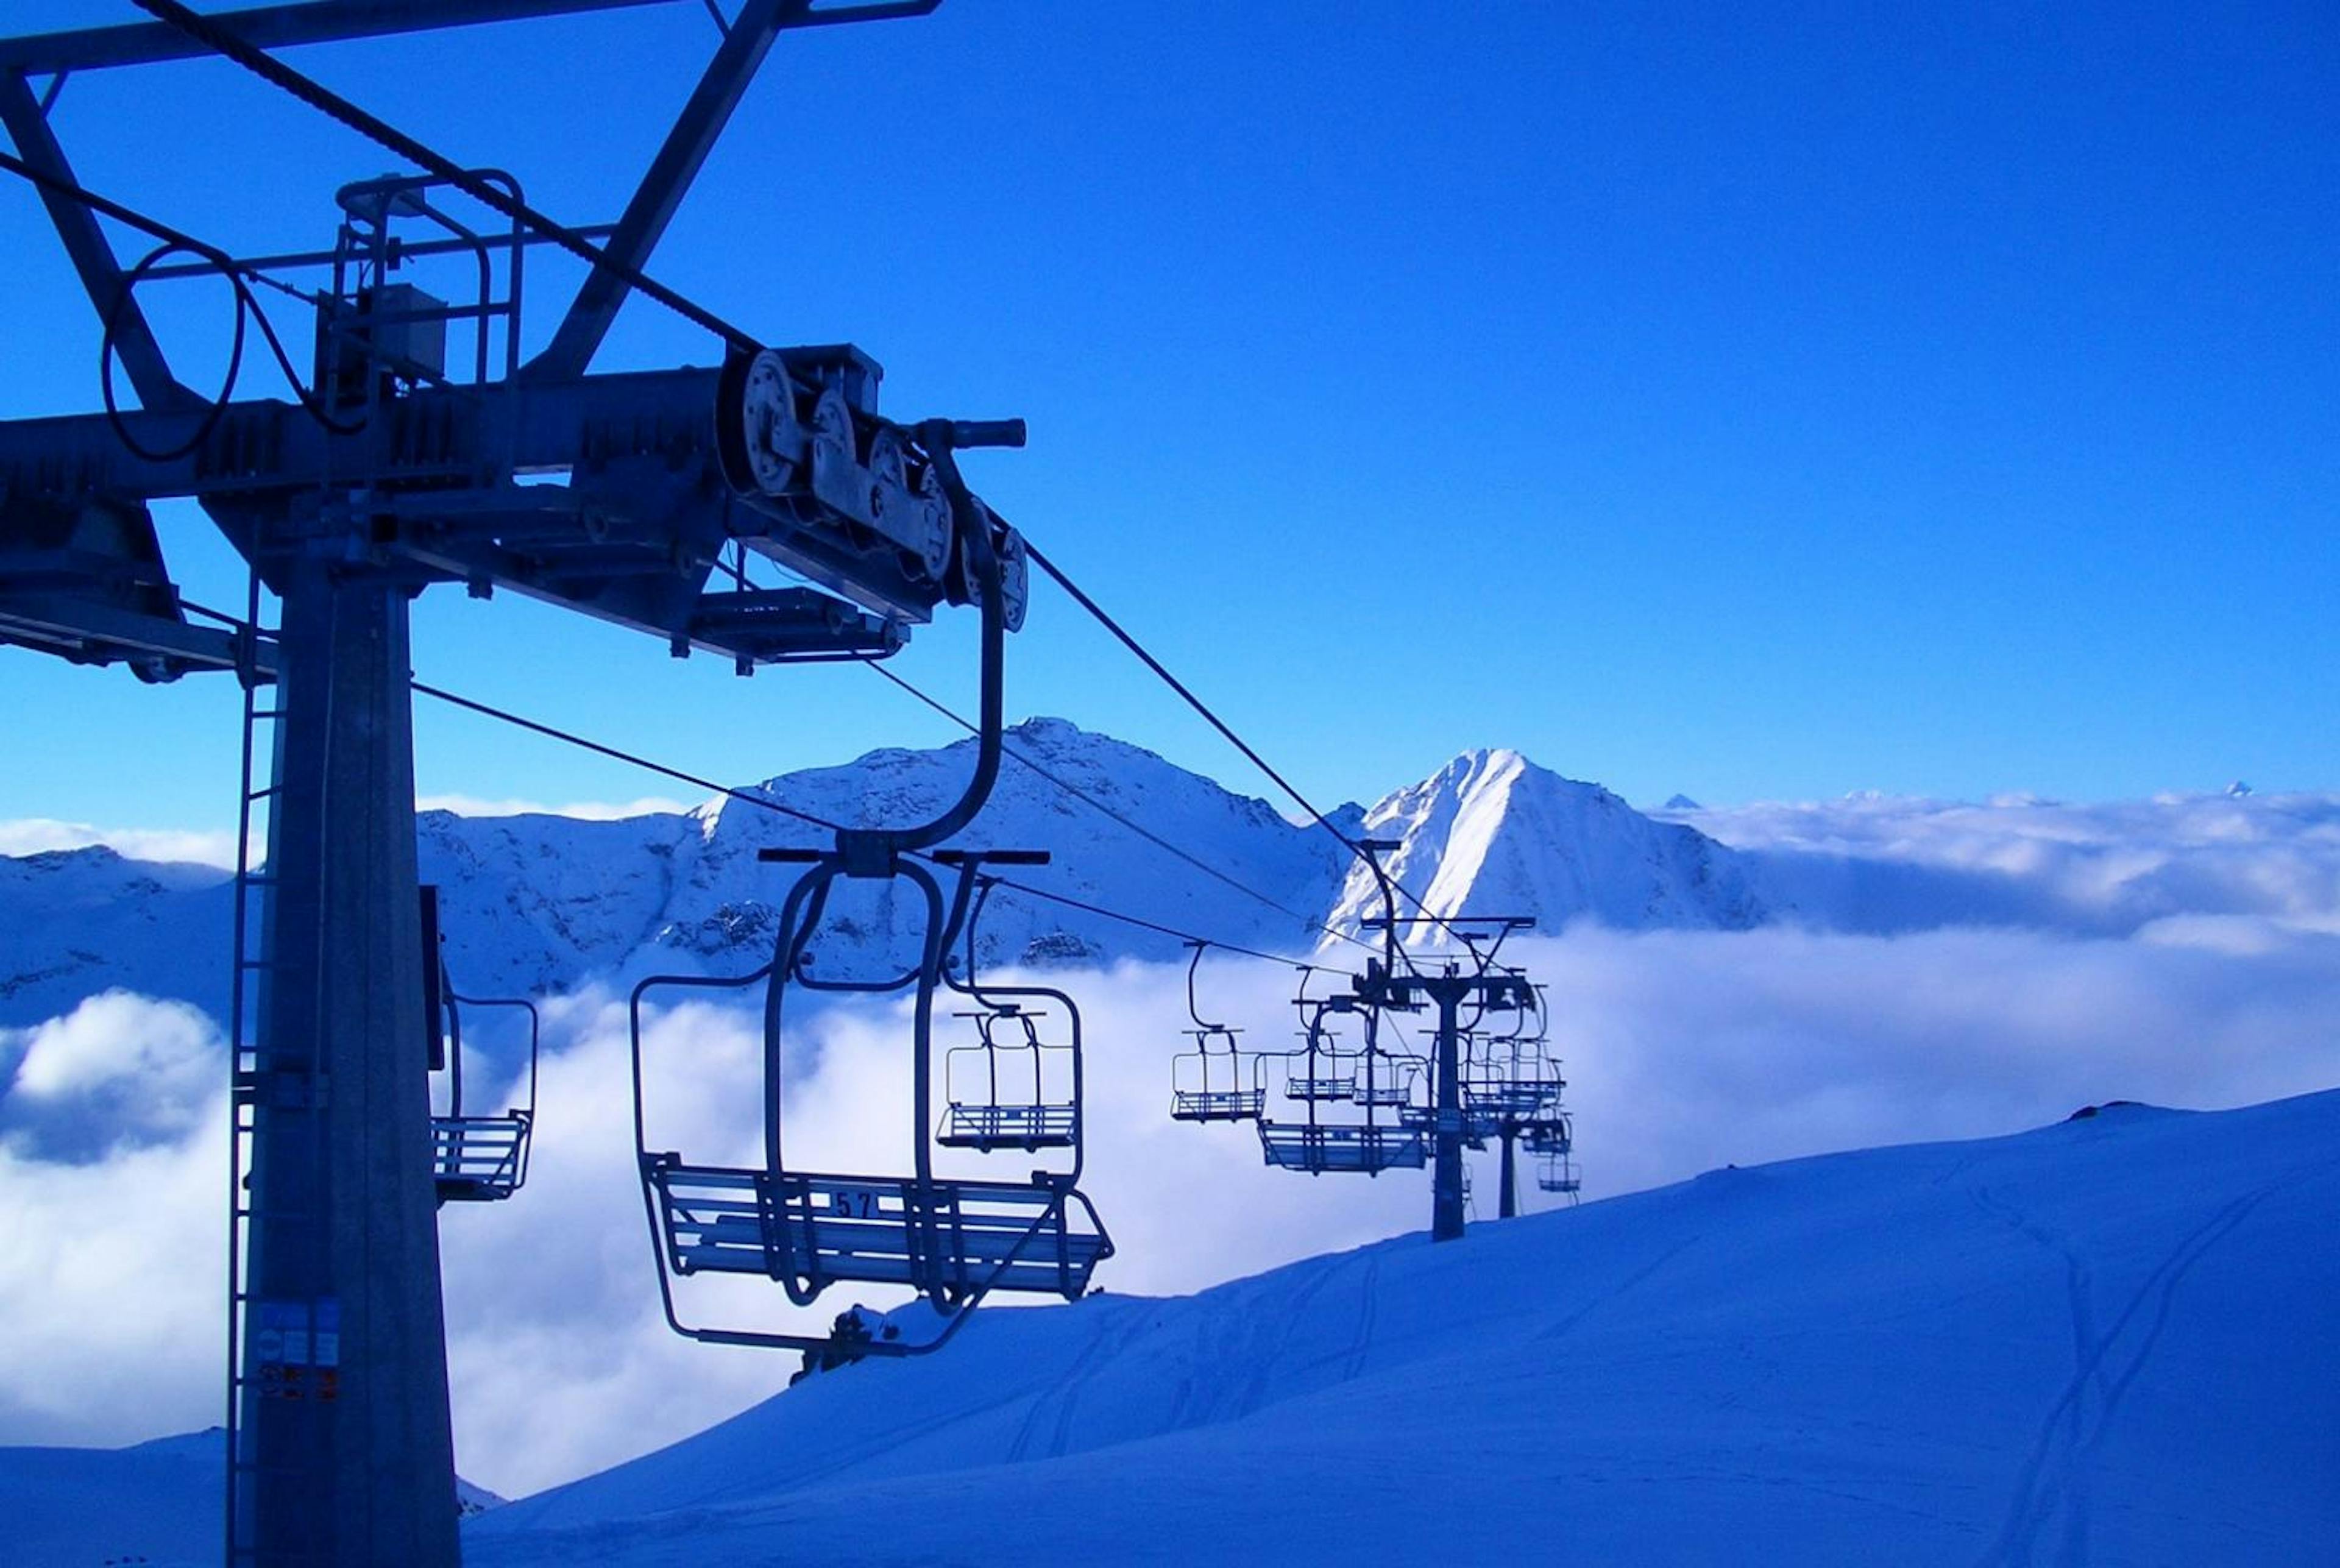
[[2056, 1475]]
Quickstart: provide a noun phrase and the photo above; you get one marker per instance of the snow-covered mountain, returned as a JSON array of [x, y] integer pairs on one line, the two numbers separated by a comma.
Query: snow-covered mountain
[[1490, 833], [76, 922], [539, 903], [2021, 1349]]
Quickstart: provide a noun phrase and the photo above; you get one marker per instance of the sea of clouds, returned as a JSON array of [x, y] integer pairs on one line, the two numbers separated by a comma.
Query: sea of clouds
[[2194, 961]]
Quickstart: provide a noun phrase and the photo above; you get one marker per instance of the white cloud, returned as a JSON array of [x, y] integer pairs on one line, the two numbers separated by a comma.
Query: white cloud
[[112, 1287], [1685, 1051], [119, 1069], [584, 811], [1893, 863]]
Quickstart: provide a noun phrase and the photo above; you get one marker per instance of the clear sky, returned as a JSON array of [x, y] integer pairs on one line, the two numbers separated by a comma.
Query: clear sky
[[1936, 400]]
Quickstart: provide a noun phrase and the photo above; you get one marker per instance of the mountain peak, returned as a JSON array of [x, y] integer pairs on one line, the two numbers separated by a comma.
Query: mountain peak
[[1491, 830], [1045, 730]]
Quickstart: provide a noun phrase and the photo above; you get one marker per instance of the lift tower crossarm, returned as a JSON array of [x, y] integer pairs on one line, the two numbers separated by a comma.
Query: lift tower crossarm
[[86, 244], [678, 161]]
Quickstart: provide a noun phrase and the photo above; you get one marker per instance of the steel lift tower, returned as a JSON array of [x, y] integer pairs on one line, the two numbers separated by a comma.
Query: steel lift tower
[[1448, 985], [398, 469]]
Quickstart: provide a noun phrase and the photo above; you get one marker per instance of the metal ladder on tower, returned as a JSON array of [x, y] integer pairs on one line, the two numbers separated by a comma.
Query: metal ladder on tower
[[250, 1073]]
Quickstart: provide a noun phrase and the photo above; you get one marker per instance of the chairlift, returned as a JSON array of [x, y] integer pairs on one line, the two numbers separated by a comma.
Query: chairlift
[[1511, 1086], [1321, 1147], [1557, 1172], [950, 1240], [482, 1158], [474, 1158], [1320, 1072], [1553, 1133], [1391, 1080], [1211, 1083], [989, 1111], [1363, 1078], [1386, 1078]]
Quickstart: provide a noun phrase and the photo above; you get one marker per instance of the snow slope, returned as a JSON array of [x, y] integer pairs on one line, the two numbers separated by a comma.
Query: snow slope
[[2112, 1341], [2116, 1340]]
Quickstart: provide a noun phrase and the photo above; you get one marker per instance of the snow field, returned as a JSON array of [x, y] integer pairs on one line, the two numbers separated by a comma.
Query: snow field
[[2110, 1341]]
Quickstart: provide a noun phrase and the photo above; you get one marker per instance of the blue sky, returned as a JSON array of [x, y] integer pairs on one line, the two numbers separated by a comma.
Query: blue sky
[[1757, 406]]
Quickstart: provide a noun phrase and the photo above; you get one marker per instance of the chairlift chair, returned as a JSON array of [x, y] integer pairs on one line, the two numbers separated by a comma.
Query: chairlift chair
[[478, 1158], [950, 1240], [1320, 1071], [1386, 1078], [1208, 1084], [1321, 1147], [1327, 1076], [987, 1108], [1557, 1172], [1390, 1080], [1553, 1133]]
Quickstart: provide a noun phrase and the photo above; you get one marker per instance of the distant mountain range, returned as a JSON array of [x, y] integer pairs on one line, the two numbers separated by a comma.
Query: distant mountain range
[[535, 904], [543, 903]]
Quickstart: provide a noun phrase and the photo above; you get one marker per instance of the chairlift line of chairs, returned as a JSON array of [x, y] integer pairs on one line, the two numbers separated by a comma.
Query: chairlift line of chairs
[[1370, 1108]]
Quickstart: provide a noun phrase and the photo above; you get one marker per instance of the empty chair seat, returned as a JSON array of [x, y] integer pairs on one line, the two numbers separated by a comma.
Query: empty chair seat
[[1503, 1099], [814, 1231], [1317, 1149], [1217, 1105], [988, 1127], [1557, 1172], [479, 1158], [1476, 1125], [1340, 1087]]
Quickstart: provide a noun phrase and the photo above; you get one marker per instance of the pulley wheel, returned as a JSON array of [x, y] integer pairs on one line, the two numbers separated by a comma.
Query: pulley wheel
[[758, 440]]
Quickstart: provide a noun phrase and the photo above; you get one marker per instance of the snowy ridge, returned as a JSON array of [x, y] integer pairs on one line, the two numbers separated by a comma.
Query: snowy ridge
[[539, 903], [152, 1505]]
